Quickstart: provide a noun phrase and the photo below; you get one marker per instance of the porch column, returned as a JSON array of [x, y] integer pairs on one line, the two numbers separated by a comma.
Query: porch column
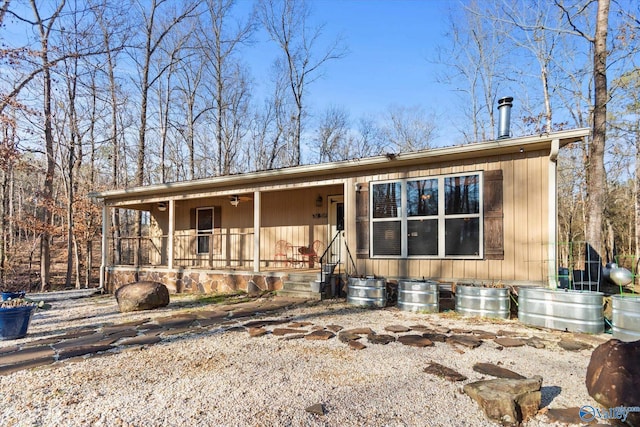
[[553, 214], [256, 231], [103, 245], [172, 231]]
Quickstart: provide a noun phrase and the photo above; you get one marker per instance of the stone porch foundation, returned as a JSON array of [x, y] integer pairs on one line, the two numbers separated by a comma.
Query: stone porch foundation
[[195, 281]]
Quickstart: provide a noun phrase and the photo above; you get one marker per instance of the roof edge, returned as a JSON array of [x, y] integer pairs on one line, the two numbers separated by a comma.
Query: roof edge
[[564, 137]]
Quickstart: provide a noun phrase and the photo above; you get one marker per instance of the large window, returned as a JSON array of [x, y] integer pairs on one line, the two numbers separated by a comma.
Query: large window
[[434, 217]]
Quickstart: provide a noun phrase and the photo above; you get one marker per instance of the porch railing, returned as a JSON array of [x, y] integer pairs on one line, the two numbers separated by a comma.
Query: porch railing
[[199, 250], [214, 250]]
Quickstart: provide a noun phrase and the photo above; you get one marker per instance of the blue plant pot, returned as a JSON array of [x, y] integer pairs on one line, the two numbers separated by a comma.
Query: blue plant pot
[[12, 295], [14, 322]]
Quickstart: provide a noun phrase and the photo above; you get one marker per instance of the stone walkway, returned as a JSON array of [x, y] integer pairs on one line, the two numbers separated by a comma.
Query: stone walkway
[[89, 341]]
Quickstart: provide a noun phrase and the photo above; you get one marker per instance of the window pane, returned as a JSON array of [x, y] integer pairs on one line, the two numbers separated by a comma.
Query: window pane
[[205, 219], [386, 238], [462, 236], [386, 200], [423, 237], [203, 244], [462, 195], [422, 197]]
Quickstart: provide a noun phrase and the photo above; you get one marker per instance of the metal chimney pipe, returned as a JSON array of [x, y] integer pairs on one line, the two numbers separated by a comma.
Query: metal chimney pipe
[[504, 118]]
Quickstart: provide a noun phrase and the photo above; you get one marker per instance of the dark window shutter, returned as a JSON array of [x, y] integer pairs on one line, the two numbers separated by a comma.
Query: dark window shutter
[[217, 217], [192, 218], [362, 222], [493, 215]]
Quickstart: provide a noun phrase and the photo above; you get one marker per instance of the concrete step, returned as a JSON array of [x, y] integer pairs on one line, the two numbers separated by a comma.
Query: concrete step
[[299, 294], [296, 286], [301, 277]]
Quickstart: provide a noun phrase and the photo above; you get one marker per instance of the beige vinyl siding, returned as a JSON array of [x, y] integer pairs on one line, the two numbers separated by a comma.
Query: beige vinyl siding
[[525, 202]]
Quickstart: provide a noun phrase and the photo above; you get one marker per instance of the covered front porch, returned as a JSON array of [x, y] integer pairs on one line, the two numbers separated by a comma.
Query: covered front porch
[[224, 241]]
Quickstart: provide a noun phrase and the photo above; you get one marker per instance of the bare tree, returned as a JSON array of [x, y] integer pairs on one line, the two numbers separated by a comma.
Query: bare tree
[[474, 64], [595, 170], [332, 135], [286, 21], [221, 38], [155, 31], [408, 129]]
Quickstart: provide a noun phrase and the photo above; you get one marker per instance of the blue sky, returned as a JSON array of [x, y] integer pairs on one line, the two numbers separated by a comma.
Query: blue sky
[[391, 48]]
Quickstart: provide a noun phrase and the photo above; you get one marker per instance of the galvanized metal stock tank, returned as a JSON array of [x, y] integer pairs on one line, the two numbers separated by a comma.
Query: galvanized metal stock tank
[[485, 302], [369, 292], [571, 310], [626, 317], [416, 295]]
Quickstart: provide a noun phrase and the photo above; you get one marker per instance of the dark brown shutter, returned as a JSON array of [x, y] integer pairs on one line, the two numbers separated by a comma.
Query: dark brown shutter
[[493, 215], [192, 218], [217, 217], [362, 221]]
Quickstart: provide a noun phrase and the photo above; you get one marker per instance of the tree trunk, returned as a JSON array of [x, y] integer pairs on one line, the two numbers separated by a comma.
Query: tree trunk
[[595, 167]]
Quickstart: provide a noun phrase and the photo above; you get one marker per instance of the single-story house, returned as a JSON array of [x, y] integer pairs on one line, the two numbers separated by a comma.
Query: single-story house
[[476, 213]]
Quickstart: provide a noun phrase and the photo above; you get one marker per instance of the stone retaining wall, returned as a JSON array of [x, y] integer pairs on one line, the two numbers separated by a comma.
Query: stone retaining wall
[[195, 281]]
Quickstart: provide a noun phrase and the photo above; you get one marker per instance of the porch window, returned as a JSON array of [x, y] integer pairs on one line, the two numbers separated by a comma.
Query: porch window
[[431, 217], [205, 226]]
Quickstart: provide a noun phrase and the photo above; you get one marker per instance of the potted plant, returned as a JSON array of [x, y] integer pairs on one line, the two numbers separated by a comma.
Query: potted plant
[[15, 316]]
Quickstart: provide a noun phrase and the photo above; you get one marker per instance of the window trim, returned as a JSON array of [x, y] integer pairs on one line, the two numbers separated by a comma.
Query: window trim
[[441, 217]]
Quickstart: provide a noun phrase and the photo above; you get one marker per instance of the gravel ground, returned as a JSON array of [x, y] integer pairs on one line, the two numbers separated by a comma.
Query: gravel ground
[[225, 378]]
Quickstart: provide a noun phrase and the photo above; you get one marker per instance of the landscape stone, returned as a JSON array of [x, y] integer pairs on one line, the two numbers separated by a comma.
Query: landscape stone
[[26, 364], [435, 337], [442, 371], [292, 337], [415, 341], [285, 331], [334, 328], [380, 339], [263, 323], [83, 350], [535, 342], [141, 340], [299, 324], [573, 345], [9, 349], [397, 328], [465, 340], [32, 353], [316, 409], [320, 335], [507, 401], [485, 335], [496, 371], [509, 342], [564, 415], [357, 345], [256, 331], [176, 321], [139, 296], [345, 336], [360, 331], [613, 376]]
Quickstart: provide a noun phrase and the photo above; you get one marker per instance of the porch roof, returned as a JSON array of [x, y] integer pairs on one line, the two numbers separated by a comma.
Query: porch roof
[[248, 181]]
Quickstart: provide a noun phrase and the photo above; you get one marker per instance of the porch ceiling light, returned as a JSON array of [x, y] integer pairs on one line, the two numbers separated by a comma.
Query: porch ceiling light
[[162, 206], [235, 201], [319, 202]]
